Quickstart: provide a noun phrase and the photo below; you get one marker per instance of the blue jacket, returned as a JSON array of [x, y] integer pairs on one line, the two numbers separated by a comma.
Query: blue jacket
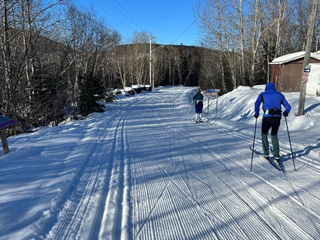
[[272, 99]]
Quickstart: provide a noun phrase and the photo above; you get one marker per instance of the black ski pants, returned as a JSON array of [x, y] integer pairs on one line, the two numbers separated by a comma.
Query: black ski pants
[[271, 122], [274, 124]]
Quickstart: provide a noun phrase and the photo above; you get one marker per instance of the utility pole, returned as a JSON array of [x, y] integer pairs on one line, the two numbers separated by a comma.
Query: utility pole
[[150, 67], [311, 24], [150, 64]]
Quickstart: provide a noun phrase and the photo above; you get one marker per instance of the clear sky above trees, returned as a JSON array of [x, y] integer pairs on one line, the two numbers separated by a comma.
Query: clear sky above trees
[[170, 21]]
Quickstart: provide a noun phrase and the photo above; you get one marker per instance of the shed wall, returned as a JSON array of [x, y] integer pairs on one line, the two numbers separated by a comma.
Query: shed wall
[[286, 77], [291, 75]]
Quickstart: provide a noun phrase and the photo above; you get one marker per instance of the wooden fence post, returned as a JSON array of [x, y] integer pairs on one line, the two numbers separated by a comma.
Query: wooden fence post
[[4, 141]]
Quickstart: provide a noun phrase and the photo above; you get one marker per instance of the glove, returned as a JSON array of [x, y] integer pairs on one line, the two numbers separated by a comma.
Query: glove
[[256, 115], [285, 114]]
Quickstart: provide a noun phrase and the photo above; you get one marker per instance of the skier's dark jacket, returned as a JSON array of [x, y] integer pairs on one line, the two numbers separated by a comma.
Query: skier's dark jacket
[[198, 96], [272, 101]]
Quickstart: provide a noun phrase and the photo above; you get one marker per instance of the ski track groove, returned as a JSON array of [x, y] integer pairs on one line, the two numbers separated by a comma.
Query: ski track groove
[[78, 180], [116, 216], [76, 205], [107, 181], [112, 195], [73, 211]]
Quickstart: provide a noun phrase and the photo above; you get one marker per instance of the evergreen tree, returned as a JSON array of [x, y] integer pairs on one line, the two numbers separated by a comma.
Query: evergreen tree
[[91, 90]]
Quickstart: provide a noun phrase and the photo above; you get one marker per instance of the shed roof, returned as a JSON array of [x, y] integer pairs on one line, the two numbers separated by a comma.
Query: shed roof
[[294, 56]]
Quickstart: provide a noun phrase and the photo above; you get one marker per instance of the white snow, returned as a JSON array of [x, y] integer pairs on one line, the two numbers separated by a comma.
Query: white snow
[[294, 56], [144, 170]]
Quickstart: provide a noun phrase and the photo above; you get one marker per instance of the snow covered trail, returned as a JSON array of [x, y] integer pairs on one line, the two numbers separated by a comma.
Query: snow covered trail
[[205, 170], [145, 170]]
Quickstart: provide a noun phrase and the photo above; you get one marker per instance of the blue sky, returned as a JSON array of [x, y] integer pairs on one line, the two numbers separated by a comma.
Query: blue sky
[[170, 21]]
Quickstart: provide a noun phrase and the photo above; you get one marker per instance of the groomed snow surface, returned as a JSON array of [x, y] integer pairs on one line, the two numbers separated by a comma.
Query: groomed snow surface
[[144, 170]]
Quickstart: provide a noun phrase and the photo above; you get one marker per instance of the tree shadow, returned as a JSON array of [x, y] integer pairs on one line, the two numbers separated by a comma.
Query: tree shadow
[[311, 107], [303, 152]]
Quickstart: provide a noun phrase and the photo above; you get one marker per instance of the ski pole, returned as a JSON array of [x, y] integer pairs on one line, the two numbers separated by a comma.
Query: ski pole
[[254, 139], [190, 108], [294, 165]]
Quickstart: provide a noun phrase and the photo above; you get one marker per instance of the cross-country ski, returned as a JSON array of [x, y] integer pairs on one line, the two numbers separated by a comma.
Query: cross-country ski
[[279, 161], [269, 159]]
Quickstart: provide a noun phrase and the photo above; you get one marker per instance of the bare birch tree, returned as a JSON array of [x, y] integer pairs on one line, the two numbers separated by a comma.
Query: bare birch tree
[[217, 23], [6, 54]]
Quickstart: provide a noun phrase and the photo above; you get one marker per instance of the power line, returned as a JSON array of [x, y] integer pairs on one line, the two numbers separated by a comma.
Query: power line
[[185, 30], [132, 23], [131, 16], [126, 14], [120, 21], [102, 9]]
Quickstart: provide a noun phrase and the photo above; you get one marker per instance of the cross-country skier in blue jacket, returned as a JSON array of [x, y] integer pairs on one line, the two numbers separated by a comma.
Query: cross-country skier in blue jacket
[[272, 101]]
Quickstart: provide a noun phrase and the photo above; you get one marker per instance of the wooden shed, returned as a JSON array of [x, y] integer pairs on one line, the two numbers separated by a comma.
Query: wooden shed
[[286, 73]]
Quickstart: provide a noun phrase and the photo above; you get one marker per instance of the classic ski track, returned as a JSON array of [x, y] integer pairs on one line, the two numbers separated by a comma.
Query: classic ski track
[[87, 181], [120, 179], [314, 214], [67, 211], [116, 181], [69, 225]]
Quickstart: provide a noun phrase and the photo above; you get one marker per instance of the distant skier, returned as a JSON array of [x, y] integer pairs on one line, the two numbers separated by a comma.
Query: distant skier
[[272, 101], [198, 98]]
